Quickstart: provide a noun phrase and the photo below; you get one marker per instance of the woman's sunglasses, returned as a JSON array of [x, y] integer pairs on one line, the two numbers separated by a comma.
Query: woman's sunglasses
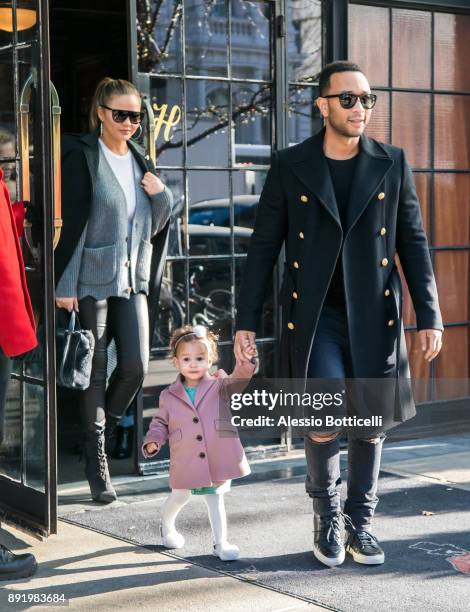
[[348, 100], [119, 116]]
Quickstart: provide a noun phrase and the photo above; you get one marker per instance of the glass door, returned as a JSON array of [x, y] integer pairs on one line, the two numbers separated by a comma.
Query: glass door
[[29, 155]]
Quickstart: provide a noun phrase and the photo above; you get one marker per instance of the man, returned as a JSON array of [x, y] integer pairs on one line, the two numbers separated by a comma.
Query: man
[[344, 205], [17, 336]]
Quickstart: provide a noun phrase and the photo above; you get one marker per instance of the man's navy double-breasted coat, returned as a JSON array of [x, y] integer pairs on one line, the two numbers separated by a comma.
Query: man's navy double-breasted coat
[[298, 207]]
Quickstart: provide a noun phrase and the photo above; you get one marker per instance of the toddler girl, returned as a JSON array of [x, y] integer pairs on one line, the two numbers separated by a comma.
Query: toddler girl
[[205, 450]]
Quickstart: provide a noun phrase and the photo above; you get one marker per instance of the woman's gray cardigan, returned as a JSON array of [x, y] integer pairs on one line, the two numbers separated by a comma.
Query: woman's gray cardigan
[[106, 261]]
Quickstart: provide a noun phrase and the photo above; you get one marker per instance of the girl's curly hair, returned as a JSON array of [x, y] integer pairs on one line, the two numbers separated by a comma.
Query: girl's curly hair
[[189, 333]]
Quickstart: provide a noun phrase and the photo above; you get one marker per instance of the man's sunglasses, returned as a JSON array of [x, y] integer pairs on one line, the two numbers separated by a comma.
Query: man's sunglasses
[[119, 116], [348, 100]]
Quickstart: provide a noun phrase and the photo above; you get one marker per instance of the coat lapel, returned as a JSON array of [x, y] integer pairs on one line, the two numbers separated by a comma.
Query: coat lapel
[[372, 166], [203, 387], [177, 389], [310, 166], [91, 155]]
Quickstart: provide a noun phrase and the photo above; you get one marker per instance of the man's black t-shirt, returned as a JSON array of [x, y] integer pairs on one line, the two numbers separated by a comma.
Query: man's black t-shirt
[[342, 174]]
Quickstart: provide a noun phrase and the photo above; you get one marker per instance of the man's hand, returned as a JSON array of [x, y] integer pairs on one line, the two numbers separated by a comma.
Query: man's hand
[[431, 342], [245, 346]]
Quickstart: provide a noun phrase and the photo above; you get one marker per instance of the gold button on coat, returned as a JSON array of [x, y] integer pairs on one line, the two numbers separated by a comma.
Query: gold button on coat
[[381, 195], [290, 325], [304, 199], [384, 262], [387, 292], [391, 322], [383, 231], [301, 235], [296, 265], [295, 295]]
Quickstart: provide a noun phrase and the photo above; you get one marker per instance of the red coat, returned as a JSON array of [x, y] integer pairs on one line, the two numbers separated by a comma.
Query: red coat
[[17, 328]]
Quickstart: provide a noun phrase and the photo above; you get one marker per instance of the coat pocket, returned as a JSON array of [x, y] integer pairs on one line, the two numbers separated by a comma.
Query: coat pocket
[[226, 429], [99, 266], [144, 258]]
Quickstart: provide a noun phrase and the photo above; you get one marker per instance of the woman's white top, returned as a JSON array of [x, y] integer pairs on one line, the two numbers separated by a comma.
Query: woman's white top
[[123, 169]]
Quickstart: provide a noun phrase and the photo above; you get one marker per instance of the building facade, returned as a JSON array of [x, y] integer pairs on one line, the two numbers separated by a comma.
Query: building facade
[[225, 82]]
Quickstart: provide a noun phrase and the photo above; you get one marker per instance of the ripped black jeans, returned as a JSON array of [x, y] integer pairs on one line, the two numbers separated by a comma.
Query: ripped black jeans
[[331, 359]]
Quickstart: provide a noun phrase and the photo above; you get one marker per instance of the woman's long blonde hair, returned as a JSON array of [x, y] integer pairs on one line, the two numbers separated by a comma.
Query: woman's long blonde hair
[[105, 90]]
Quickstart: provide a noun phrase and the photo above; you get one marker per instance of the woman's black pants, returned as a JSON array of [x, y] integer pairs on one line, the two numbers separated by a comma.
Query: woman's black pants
[[126, 320]]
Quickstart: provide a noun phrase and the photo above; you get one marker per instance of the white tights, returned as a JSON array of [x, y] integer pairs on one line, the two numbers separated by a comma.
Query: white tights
[[178, 498]]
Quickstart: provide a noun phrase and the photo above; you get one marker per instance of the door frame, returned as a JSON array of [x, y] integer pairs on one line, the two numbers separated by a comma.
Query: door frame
[[30, 509]]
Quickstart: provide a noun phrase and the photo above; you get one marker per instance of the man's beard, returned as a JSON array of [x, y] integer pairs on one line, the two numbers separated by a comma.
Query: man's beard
[[342, 128]]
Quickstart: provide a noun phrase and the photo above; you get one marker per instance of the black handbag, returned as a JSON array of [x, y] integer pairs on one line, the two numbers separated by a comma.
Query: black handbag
[[74, 352]]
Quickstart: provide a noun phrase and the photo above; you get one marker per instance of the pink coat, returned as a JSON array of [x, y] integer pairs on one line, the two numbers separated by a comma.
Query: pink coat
[[204, 445]]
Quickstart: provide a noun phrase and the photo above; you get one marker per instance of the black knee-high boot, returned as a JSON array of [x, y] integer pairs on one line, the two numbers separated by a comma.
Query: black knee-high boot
[[96, 465]]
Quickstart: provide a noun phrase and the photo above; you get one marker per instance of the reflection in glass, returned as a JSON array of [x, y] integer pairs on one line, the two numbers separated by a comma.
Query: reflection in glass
[[166, 100], [411, 114], [304, 35], [411, 30], [452, 132], [452, 49], [207, 108], [10, 432], [211, 295], [370, 48], [452, 271], [174, 181], [206, 37], [208, 287], [251, 39], [33, 437], [209, 216], [159, 36], [251, 112], [171, 312], [379, 124], [266, 324], [304, 117], [454, 361], [452, 209]]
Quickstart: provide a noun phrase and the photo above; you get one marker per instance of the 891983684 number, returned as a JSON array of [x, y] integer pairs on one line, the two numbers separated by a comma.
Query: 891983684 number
[[52, 599]]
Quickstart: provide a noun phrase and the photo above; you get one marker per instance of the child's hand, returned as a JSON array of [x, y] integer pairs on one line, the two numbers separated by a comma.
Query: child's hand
[[220, 374], [151, 448]]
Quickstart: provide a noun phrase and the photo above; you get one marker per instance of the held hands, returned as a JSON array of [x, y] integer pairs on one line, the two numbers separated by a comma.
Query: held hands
[[151, 448], [151, 184], [68, 303], [431, 342], [220, 374], [245, 346]]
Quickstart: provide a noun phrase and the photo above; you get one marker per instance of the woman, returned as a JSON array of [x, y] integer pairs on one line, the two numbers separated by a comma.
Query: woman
[[113, 206]]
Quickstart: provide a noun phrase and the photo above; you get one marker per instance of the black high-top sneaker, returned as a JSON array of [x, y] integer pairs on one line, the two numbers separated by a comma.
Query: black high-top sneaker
[[328, 545], [14, 567], [364, 548]]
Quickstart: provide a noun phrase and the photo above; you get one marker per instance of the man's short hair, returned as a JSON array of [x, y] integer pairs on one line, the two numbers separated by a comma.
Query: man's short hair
[[329, 69]]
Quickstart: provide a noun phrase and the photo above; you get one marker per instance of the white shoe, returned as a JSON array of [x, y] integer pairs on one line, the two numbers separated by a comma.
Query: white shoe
[[226, 551], [171, 538]]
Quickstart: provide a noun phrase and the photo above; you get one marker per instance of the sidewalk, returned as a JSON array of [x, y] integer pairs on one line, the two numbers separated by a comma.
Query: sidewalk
[[96, 571]]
